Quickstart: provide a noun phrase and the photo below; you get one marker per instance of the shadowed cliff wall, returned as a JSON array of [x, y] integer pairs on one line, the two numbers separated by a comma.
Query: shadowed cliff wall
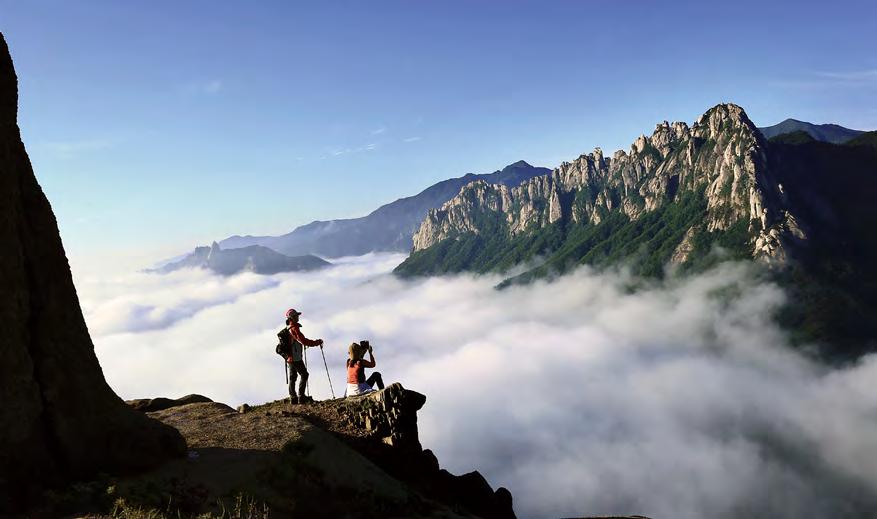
[[59, 419]]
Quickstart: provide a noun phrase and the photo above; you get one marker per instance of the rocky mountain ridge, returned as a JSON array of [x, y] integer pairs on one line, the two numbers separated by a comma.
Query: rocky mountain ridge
[[388, 228], [722, 153]]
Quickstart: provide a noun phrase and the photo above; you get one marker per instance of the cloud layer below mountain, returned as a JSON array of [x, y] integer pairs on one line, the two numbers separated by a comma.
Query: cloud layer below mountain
[[592, 394]]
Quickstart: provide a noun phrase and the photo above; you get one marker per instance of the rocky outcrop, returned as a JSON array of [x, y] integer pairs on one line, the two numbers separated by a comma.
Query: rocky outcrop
[[59, 420], [346, 457], [722, 153], [150, 405], [389, 417]]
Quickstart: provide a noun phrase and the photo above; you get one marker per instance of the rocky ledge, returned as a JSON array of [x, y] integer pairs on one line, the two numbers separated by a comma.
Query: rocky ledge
[[389, 415], [347, 457]]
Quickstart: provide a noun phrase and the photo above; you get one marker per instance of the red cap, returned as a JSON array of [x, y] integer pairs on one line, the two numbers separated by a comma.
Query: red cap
[[291, 312]]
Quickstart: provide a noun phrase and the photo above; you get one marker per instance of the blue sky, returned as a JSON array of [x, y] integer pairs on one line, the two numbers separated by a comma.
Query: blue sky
[[155, 126]]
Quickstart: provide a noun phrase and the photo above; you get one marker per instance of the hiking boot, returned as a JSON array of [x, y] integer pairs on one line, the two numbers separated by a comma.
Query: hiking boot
[[293, 400], [304, 399]]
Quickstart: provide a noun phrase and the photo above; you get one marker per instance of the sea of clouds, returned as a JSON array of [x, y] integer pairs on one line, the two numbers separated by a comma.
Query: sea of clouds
[[595, 393]]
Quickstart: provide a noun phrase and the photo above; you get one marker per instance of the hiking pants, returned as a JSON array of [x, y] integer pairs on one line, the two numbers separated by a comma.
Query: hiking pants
[[297, 368], [375, 378]]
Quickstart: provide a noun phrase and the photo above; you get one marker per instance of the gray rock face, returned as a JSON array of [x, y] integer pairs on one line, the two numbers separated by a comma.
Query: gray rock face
[[389, 414], [255, 258], [59, 420], [722, 153]]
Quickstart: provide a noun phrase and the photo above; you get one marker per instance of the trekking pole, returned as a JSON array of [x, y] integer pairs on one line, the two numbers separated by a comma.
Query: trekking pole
[[285, 372], [327, 372], [304, 356]]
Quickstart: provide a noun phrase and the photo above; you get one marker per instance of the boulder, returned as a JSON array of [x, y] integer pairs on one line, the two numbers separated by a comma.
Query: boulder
[[474, 492], [59, 420], [389, 415], [429, 462], [149, 405]]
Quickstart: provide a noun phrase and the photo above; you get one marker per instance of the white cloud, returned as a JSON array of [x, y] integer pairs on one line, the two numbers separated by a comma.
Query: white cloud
[[213, 86], [345, 151], [411, 139], [851, 76], [678, 400], [206, 87], [829, 79], [141, 301], [72, 148], [379, 131]]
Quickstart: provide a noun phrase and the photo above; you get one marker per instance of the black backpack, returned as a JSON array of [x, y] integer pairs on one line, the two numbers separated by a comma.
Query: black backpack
[[284, 343]]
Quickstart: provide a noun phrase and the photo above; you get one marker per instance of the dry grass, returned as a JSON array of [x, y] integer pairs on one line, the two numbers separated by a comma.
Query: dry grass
[[243, 507]]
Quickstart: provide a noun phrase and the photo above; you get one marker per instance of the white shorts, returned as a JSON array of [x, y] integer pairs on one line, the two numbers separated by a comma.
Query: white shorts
[[358, 389]]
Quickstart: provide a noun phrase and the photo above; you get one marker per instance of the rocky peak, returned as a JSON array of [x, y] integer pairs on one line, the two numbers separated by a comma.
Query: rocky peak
[[8, 86], [519, 164], [724, 117], [214, 251], [639, 145], [597, 156]]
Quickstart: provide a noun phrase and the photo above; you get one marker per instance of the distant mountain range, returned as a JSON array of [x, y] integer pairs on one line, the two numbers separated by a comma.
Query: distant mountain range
[[801, 207], [254, 258], [388, 228], [821, 132]]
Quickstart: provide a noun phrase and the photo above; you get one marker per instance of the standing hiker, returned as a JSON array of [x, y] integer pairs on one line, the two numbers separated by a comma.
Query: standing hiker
[[292, 337], [357, 384]]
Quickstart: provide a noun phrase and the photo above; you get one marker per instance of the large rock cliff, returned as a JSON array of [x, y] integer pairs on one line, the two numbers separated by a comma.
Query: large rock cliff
[[59, 419]]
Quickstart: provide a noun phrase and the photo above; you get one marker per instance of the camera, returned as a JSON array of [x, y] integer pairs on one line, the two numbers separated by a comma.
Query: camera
[[365, 345]]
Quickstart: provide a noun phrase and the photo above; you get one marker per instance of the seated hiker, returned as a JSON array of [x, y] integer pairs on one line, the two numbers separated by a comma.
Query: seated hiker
[[294, 360], [357, 384]]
